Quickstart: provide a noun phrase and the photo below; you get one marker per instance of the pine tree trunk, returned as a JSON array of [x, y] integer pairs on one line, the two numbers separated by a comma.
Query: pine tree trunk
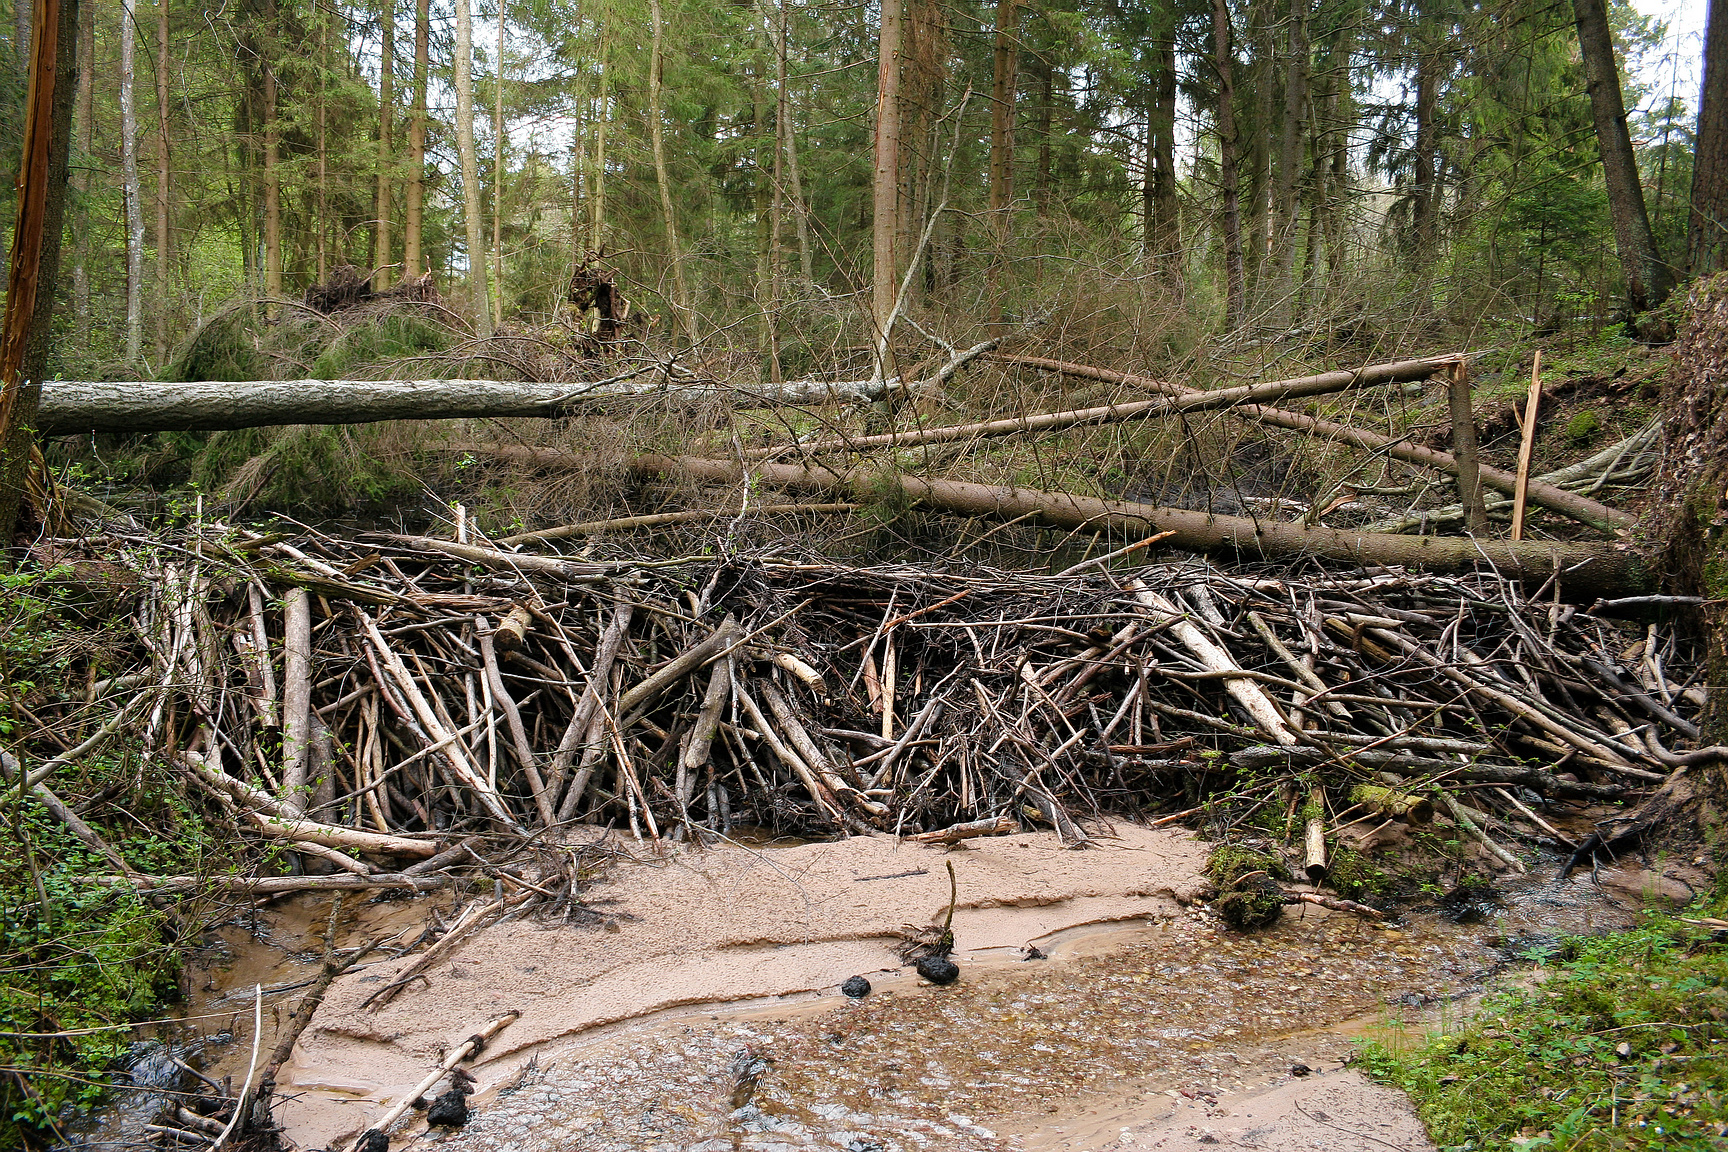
[[321, 226], [1648, 279], [498, 171], [1003, 91], [414, 196], [164, 236], [1293, 135], [1235, 292], [463, 80], [272, 169], [1164, 231], [86, 138], [885, 185], [1707, 228], [386, 112], [130, 186], [674, 251], [601, 114], [1423, 193], [34, 272]]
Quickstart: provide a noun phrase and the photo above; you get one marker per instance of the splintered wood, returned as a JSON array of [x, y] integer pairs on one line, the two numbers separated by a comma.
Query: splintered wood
[[372, 699]]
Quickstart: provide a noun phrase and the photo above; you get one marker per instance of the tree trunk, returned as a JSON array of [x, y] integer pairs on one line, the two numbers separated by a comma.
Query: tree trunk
[[413, 208], [35, 264], [1235, 289], [1707, 230], [1590, 568], [597, 219], [498, 170], [478, 284], [1164, 230], [272, 167], [86, 138], [1423, 194], [885, 184], [386, 110], [1003, 91], [76, 407], [129, 185], [164, 236], [321, 227], [1293, 136], [1648, 279], [674, 251]]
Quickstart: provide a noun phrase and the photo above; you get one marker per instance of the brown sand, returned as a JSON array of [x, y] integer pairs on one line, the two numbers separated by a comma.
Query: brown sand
[[709, 928], [1337, 1112]]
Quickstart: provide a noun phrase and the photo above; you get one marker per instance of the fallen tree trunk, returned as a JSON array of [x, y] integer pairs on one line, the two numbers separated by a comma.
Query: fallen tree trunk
[[72, 407], [1556, 499], [1177, 398], [1588, 567]]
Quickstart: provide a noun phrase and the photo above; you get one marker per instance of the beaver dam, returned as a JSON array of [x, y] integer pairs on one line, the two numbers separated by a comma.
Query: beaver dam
[[565, 832]]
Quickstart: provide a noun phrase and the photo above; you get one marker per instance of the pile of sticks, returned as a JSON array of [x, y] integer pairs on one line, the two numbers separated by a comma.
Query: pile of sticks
[[372, 701]]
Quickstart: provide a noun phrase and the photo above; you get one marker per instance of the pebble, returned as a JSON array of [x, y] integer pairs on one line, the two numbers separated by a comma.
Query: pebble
[[857, 987]]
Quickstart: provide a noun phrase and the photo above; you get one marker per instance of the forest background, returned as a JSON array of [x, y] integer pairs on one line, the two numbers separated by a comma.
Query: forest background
[[1182, 167]]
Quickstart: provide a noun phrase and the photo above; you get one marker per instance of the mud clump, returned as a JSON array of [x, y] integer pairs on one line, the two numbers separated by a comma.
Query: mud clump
[[1248, 895], [938, 970], [449, 1110]]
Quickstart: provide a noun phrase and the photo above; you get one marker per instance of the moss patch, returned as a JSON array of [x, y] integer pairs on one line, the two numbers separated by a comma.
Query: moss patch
[[1622, 1045]]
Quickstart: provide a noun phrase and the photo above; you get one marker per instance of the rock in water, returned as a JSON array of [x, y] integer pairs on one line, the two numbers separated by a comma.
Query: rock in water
[[938, 970], [373, 1140], [857, 987], [449, 1110]]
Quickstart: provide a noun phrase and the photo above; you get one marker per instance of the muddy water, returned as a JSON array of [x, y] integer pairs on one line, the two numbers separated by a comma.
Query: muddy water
[[1113, 1031], [1121, 1025], [276, 951]]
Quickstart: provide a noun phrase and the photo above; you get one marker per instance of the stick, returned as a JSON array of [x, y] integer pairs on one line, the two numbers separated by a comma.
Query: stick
[[1099, 561], [296, 697], [513, 720], [660, 519], [1463, 821], [1464, 448], [257, 1035], [456, 1055], [1247, 693], [1526, 447], [954, 833]]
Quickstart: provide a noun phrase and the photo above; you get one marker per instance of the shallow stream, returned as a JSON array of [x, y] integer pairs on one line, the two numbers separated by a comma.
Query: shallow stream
[[1116, 1026]]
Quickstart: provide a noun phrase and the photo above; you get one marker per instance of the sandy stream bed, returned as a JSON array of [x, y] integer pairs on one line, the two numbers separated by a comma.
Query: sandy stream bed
[[1148, 1027]]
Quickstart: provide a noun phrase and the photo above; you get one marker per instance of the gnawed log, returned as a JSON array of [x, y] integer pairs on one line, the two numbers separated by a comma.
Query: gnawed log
[[954, 833], [75, 407]]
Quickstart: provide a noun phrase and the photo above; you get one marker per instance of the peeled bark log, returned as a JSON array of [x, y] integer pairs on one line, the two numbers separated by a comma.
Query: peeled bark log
[[73, 407]]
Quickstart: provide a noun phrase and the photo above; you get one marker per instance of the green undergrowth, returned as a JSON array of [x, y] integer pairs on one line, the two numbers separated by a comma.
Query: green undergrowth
[[1622, 1043], [80, 958]]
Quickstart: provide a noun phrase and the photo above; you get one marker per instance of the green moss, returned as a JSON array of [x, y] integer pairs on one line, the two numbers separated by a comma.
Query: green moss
[[1248, 893], [1623, 1045], [1583, 426], [1354, 877]]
